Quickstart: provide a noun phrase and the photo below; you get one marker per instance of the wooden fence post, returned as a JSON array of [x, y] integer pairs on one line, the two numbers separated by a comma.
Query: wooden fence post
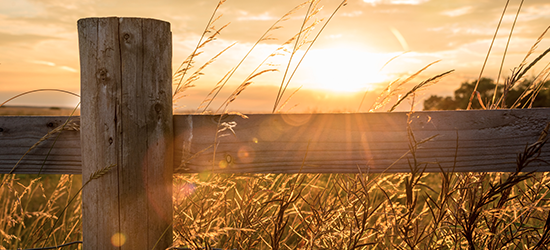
[[126, 123]]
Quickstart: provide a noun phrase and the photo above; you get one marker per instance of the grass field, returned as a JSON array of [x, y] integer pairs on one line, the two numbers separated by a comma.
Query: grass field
[[412, 210]]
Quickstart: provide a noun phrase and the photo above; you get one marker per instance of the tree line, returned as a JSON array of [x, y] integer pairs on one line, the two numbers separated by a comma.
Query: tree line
[[525, 94]]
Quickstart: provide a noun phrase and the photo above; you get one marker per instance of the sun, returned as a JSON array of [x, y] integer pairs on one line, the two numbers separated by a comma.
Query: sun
[[345, 70]]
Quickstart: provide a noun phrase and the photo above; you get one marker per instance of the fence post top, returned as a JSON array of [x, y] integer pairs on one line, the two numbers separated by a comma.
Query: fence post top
[[122, 18]]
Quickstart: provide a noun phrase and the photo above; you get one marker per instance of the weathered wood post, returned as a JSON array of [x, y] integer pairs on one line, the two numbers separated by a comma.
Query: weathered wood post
[[126, 122]]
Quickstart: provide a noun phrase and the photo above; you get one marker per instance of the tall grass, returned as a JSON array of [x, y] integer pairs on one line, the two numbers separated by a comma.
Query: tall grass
[[414, 210], [31, 205], [366, 211]]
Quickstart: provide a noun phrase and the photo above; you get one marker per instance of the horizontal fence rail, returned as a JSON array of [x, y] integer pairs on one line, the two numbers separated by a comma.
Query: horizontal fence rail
[[56, 153], [468, 141]]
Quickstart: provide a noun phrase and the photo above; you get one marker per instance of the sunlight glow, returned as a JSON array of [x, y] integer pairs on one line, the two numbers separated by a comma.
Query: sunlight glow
[[346, 70], [406, 2]]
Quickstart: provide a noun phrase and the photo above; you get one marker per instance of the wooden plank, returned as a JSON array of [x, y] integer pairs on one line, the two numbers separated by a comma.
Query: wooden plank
[[469, 141], [145, 176], [19, 133], [127, 123], [100, 84], [487, 141]]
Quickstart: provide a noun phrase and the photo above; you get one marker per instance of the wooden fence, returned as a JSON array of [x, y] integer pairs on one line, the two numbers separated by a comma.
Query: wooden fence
[[129, 139]]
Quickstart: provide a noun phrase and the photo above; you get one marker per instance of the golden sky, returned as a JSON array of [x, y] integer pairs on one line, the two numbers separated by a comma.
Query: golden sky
[[39, 46]]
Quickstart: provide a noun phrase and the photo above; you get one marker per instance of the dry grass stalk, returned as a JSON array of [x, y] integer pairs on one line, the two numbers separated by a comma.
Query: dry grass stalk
[[288, 99], [394, 88], [387, 87], [188, 63], [505, 52], [282, 89], [198, 73], [538, 85], [518, 74], [534, 47], [69, 125], [38, 90], [266, 36], [208, 99], [94, 176], [419, 87], [366, 211], [29, 208], [248, 81], [241, 88], [487, 56]]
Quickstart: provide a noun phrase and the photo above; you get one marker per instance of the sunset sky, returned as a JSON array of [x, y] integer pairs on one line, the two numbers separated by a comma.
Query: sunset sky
[[39, 46]]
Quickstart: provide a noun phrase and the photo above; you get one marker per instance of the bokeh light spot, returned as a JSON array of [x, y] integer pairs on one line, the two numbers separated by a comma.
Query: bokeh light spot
[[204, 176], [184, 190], [118, 239], [222, 164], [245, 154], [271, 129]]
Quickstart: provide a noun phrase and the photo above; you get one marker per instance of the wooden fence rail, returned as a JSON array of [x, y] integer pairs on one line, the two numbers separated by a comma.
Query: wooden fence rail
[[127, 127], [469, 141]]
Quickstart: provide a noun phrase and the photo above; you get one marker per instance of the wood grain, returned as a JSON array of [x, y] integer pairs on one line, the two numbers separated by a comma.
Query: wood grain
[[487, 141], [127, 123], [466, 141], [59, 154], [100, 80]]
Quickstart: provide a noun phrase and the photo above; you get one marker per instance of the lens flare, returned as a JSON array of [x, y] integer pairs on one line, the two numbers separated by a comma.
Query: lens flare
[[296, 119], [271, 129], [246, 154], [118, 239], [185, 190], [222, 164]]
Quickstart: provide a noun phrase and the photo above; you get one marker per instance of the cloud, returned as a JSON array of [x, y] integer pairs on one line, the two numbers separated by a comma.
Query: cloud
[[43, 63], [529, 13], [67, 68], [266, 16], [411, 2], [458, 12], [354, 13], [52, 64], [396, 2], [8, 39], [18, 8]]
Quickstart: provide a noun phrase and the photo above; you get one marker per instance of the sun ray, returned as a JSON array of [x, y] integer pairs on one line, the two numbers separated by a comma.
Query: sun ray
[[346, 70]]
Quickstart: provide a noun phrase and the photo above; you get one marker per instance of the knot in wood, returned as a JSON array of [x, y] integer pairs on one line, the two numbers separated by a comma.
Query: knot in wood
[[158, 107], [103, 75], [229, 158]]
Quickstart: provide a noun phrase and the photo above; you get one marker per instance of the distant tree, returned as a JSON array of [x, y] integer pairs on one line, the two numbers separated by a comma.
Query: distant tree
[[540, 93], [486, 89], [440, 103]]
